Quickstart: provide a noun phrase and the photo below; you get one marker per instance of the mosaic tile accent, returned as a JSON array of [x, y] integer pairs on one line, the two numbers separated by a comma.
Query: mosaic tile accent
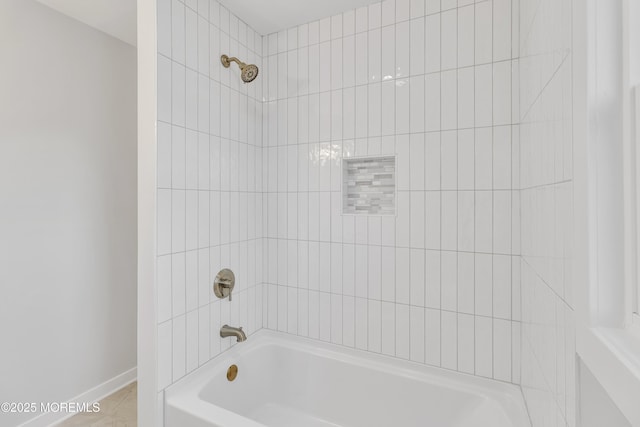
[[369, 186]]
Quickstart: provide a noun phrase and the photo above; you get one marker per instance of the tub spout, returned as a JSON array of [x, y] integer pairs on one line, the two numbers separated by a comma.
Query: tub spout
[[230, 331]]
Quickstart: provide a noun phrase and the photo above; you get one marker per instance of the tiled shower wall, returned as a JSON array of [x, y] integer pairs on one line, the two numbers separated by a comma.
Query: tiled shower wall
[[431, 83], [209, 183], [548, 338]]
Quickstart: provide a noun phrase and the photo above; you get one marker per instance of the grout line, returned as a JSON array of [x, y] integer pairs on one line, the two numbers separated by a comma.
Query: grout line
[[475, 352], [440, 145]]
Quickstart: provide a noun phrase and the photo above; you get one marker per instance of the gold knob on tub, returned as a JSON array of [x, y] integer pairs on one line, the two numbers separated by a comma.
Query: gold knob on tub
[[232, 372]]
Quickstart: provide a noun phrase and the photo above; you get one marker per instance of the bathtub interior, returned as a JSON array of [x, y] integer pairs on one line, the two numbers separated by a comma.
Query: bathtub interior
[[280, 384]]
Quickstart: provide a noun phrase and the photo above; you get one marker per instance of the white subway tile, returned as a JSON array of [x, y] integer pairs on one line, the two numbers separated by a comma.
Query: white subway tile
[[349, 22], [314, 314], [374, 323], [165, 352], [325, 29], [388, 107], [448, 281], [388, 12], [417, 44], [403, 224], [466, 337], [449, 160], [374, 104], [449, 222], [374, 55], [417, 334], [483, 284], [335, 284], [432, 100], [177, 31], [179, 347], [361, 323], [282, 307], [432, 337], [502, 350], [403, 112], [466, 219], [432, 220], [163, 271], [432, 161], [402, 333], [348, 321], [501, 30], [466, 98], [502, 93], [502, 282], [374, 273], [432, 6], [361, 58], [417, 8], [164, 155], [178, 94], [483, 95], [388, 329], [164, 27], [292, 38], [417, 279], [347, 64], [191, 39], [164, 89], [192, 341], [466, 36], [178, 285], [448, 4], [403, 279], [502, 159], [314, 32], [483, 33], [448, 101], [203, 335], [403, 11], [466, 295], [417, 161], [483, 166], [449, 53], [449, 340], [403, 37], [484, 222], [483, 347], [374, 15], [336, 319], [502, 222], [314, 266], [178, 212], [433, 42], [191, 280]]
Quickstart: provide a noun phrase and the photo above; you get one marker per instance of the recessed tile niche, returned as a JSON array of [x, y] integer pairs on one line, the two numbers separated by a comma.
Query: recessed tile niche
[[369, 186]]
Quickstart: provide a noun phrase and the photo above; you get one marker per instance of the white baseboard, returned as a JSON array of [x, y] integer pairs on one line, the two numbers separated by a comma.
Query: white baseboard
[[93, 395]]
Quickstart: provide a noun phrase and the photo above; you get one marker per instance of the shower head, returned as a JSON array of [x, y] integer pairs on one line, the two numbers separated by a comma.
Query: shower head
[[248, 72]]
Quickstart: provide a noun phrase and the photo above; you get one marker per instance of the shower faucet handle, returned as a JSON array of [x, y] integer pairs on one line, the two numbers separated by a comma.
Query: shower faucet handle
[[224, 283]]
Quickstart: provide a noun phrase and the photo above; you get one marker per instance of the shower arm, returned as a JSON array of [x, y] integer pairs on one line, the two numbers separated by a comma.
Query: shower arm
[[226, 61]]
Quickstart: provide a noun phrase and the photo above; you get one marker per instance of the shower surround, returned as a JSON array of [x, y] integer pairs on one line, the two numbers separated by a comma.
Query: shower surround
[[209, 196], [249, 178], [546, 103], [431, 84]]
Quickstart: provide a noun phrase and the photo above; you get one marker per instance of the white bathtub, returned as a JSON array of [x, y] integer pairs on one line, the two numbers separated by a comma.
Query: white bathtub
[[286, 381]]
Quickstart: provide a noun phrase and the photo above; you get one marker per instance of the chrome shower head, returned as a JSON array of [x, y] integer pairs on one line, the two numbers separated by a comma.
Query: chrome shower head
[[248, 72]]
